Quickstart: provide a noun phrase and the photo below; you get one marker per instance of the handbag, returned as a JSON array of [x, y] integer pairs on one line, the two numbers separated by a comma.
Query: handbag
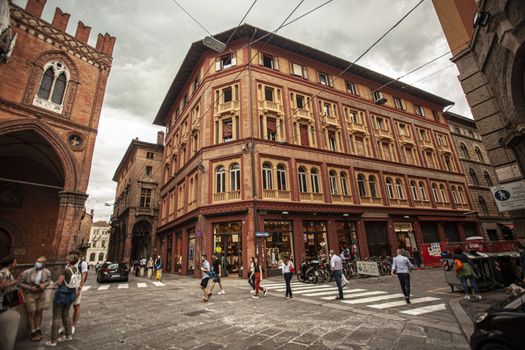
[[14, 298]]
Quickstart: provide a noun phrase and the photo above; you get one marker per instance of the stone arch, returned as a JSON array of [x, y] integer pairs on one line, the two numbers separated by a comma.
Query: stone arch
[[15, 236], [69, 165]]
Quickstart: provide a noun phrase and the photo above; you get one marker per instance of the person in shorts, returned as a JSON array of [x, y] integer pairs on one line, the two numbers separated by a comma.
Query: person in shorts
[[205, 268], [216, 266], [82, 267], [34, 282]]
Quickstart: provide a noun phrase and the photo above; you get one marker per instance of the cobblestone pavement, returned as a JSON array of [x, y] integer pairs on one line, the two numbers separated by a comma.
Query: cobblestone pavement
[[169, 315]]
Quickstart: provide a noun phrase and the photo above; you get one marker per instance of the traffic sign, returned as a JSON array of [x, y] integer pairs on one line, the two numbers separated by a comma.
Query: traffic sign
[[510, 196]]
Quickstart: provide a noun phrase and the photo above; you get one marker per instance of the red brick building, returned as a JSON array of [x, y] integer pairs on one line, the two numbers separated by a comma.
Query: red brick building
[[51, 93], [266, 138]]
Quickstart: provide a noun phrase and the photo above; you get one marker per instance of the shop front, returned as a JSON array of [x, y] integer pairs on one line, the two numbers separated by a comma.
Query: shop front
[[278, 244], [227, 243], [347, 237], [315, 240], [191, 251], [377, 237], [405, 236]]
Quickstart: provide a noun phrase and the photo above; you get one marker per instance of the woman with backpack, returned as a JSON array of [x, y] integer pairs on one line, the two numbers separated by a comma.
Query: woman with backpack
[[65, 295], [465, 271]]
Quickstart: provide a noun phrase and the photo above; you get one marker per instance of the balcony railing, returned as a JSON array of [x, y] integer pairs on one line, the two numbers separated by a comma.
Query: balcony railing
[[356, 128], [330, 119], [445, 148], [406, 139], [385, 134], [270, 106], [144, 211], [192, 205], [462, 206], [401, 202], [307, 196], [443, 205], [226, 196], [426, 144], [227, 107], [276, 194], [303, 114], [371, 200], [419, 203], [339, 198]]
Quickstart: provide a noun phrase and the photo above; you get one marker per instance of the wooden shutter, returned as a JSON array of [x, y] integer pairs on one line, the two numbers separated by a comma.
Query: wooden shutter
[[234, 60], [303, 129], [305, 72], [276, 63], [261, 58], [218, 64]]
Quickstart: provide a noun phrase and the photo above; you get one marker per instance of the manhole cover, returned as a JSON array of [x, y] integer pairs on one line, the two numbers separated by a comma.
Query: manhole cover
[[195, 313]]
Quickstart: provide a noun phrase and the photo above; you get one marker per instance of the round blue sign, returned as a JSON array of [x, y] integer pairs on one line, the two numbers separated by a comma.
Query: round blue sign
[[502, 195]]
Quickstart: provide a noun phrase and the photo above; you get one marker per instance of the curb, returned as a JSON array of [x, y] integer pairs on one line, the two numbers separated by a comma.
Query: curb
[[462, 318]]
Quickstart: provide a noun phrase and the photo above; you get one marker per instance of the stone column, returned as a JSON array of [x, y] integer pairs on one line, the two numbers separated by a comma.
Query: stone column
[[362, 239], [71, 208]]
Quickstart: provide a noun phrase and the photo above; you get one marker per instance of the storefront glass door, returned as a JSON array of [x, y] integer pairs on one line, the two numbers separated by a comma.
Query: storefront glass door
[[405, 236], [315, 240], [191, 252], [178, 252], [347, 238], [228, 245], [278, 244]]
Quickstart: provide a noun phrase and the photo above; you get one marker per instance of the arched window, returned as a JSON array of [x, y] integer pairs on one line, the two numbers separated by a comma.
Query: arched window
[[54, 82], [314, 176], [461, 195], [435, 193], [344, 184], [101, 257], [474, 177], [413, 190], [464, 151], [399, 189], [483, 205], [281, 177], [454, 194], [488, 179], [235, 177], [361, 185], [443, 192], [220, 179], [372, 186], [303, 184], [423, 191], [389, 188], [333, 182], [479, 155], [92, 257], [267, 176]]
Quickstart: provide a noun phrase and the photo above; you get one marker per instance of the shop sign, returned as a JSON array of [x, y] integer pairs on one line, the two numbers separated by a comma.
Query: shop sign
[[510, 196], [434, 249], [403, 227], [262, 234], [367, 268]]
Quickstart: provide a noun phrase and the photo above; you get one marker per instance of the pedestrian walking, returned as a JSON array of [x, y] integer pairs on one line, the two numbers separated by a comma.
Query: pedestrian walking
[[257, 269], [336, 265], [417, 257], [402, 267], [150, 267], [217, 269], [251, 275], [34, 282], [205, 268], [158, 268], [465, 271], [68, 283], [288, 270], [9, 318], [82, 268]]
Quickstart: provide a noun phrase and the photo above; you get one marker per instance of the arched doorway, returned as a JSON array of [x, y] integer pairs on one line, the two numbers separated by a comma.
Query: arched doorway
[[141, 235], [31, 177], [5, 244]]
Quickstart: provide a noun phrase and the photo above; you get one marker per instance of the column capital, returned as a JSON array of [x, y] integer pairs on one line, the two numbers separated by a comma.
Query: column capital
[[72, 199]]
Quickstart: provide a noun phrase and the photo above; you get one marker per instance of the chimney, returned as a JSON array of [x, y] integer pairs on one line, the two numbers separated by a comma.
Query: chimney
[[60, 20], [82, 33], [160, 138], [35, 7]]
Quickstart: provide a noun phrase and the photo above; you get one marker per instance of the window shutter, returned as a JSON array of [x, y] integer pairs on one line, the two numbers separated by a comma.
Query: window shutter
[[234, 60], [305, 73], [218, 65], [275, 63], [403, 104], [261, 59]]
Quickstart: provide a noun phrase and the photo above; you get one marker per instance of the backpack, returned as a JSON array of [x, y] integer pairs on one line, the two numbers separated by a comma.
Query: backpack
[[458, 265], [74, 282]]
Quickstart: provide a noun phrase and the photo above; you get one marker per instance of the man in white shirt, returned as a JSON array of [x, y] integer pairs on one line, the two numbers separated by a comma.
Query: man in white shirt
[[402, 267], [337, 269]]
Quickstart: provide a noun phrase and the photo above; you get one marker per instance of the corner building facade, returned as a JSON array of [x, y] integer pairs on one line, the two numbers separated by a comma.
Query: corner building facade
[[265, 139], [51, 93]]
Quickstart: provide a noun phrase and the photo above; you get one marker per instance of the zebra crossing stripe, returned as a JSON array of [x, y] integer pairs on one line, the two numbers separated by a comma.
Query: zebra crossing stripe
[[123, 286], [424, 309], [358, 295], [85, 288], [159, 284], [104, 287], [142, 285], [372, 299], [402, 302], [282, 285], [311, 288], [331, 292]]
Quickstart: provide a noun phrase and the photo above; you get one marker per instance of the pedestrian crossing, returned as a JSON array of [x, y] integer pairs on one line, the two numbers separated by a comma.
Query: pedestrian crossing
[[375, 299], [103, 287]]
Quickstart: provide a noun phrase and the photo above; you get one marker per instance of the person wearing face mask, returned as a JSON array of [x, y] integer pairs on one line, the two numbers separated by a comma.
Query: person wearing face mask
[[34, 281]]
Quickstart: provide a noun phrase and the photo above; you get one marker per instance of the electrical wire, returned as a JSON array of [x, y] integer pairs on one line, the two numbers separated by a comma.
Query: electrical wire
[[193, 18]]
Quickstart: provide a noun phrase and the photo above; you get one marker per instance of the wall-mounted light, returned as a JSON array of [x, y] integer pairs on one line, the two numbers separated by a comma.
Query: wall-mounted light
[[406, 217], [345, 214], [284, 213]]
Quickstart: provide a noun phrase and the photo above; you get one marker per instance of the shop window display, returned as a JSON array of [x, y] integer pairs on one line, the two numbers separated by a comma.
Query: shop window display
[[279, 243], [315, 240], [228, 245]]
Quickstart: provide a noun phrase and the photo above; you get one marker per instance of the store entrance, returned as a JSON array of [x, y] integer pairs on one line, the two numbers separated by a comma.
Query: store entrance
[[315, 240], [405, 236], [228, 246], [278, 244]]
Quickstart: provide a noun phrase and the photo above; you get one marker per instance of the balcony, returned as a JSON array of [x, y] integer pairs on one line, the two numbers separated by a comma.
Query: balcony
[[383, 134], [276, 194], [144, 212], [339, 198], [445, 148], [227, 107], [398, 202], [356, 128], [192, 205], [371, 200], [270, 106], [463, 206], [227, 196], [180, 211], [426, 144], [307, 196], [303, 115], [406, 139], [424, 204], [330, 120], [443, 205]]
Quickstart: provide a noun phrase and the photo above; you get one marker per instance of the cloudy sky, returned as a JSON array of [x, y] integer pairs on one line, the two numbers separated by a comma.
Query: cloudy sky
[[154, 35]]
